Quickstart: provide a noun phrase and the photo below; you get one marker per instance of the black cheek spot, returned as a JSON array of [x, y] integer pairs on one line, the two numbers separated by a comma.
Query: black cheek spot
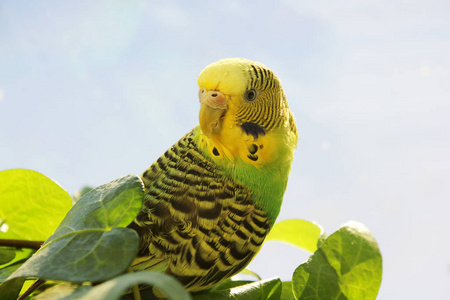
[[215, 152], [261, 146], [253, 157], [252, 148], [253, 129]]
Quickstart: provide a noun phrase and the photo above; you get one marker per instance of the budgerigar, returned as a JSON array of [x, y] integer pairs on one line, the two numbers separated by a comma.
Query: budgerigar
[[212, 197]]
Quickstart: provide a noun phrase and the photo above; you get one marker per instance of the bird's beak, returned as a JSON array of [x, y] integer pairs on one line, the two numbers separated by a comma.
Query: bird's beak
[[212, 111]]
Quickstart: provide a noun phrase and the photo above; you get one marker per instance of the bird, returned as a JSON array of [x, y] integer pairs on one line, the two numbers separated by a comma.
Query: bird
[[212, 198]]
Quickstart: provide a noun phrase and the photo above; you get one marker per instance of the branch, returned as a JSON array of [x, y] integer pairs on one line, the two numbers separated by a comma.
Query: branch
[[37, 284], [21, 244]]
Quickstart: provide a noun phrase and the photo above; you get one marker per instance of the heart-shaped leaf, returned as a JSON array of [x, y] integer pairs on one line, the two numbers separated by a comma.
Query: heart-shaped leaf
[[32, 205], [7, 255], [348, 265], [89, 244], [300, 233]]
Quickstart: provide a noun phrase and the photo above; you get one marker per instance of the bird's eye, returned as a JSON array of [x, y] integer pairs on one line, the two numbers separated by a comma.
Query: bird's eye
[[250, 95]]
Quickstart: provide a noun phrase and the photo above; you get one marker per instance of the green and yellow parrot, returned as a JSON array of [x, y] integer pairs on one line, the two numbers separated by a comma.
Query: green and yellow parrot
[[212, 198]]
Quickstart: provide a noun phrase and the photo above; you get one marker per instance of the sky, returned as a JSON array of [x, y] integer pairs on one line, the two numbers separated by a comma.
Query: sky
[[93, 90]]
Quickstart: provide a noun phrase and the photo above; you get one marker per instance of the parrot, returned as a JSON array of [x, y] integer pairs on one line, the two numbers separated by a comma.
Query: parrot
[[212, 198]]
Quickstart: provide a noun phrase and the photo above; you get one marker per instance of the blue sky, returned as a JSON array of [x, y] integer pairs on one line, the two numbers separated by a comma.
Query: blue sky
[[94, 90]]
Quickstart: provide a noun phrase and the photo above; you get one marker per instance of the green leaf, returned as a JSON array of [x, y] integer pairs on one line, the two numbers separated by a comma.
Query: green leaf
[[251, 273], [114, 204], [77, 196], [32, 205], [88, 245], [84, 256], [286, 291], [269, 289], [113, 289], [300, 233], [64, 291], [5, 272], [10, 290], [7, 255], [20, 256], [347, 266], [229, 283]]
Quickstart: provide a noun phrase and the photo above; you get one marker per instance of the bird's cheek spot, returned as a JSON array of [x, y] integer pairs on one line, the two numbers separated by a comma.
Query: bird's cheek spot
[[215, 152], [253, 157], [253, 148]]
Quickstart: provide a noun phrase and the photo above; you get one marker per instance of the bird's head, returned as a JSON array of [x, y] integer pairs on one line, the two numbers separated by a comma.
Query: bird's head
[[244, 112]]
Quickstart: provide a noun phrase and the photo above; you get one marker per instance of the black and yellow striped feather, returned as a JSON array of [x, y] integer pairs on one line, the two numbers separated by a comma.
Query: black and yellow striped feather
[[197, 224]]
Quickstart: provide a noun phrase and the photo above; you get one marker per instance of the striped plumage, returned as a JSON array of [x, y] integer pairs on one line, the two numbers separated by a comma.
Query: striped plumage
[[200, 225], [212, 197]]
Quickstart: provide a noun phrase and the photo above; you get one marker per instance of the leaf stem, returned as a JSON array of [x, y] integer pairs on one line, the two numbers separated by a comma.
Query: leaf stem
[[34, 286], [135, 288], [136, 293], [21, 244]]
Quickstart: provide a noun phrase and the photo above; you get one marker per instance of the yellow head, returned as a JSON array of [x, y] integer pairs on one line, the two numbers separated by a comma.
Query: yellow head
[[244, 113]]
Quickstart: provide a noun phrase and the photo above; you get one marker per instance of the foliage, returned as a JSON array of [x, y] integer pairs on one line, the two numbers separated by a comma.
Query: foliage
[[89, 243], [88, 254], [32, 205]]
